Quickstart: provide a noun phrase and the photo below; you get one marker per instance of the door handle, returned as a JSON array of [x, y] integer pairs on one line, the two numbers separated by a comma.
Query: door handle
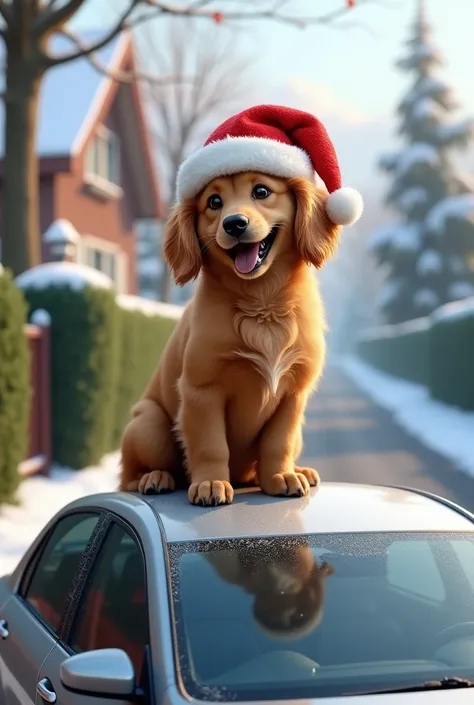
[[46, 691], [4, 629]]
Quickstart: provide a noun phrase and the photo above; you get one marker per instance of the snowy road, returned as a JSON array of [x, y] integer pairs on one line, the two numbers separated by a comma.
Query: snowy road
[[350, 438]]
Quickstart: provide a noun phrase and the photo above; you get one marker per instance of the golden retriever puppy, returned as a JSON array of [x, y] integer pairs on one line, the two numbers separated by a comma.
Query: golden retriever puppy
[[226, 403], [287, 583]]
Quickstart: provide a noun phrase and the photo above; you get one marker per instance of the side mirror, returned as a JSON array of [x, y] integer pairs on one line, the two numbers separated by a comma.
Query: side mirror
[[103, 672]]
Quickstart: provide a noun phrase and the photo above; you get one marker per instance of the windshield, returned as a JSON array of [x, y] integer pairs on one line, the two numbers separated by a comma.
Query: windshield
[[323, 615]]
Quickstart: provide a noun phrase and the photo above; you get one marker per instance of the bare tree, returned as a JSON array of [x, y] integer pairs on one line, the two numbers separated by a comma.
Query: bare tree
[[184, 113], [26, 30]]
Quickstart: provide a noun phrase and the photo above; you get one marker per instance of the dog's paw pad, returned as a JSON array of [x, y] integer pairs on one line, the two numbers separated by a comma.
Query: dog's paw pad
[[310, 474], [156, 482], [288, 484], [211, 493]]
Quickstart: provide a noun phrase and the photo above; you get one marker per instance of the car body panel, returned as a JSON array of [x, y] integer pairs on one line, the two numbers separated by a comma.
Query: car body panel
[[333, 508], [22, 658]]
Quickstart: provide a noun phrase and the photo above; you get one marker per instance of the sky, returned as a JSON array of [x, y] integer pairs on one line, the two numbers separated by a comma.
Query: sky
[[345, 75]]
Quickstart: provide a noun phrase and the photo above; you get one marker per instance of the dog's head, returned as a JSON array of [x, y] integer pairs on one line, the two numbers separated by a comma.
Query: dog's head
[[246, 223], [288, 591]]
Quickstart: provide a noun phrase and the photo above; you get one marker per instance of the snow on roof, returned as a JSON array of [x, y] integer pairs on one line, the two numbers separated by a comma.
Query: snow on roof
[[61, 231], [150, 308], [414, 154], [69, 274], [414, 196], [460, 206], [454, 311], [429, 262], [67, 94]]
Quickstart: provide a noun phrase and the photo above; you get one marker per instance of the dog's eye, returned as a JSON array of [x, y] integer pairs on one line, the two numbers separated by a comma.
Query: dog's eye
[[214, 202], [260, 191]]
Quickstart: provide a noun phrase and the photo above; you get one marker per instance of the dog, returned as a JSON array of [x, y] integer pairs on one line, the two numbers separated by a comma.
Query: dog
[[226, 403], [287, 583]]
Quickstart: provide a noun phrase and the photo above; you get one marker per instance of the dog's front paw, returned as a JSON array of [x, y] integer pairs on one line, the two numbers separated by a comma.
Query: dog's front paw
[[310, 474], [156, 482], [287, 484], [211, 493]]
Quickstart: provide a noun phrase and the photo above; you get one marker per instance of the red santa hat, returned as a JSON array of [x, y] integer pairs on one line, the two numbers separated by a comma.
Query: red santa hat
[[274, 140]]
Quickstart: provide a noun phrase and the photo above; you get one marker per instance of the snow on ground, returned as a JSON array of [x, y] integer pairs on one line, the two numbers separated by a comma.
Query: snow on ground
[[445, 429], [39, 498]]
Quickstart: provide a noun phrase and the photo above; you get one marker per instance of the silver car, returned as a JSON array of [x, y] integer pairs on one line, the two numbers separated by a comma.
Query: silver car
[[358, 591]]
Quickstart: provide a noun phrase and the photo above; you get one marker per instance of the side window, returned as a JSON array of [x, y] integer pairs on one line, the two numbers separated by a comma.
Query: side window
[[52, 577], [412, 567], [114, 610]]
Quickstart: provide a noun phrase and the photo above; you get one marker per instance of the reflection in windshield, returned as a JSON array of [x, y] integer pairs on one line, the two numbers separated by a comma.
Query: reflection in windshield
[[324, 615], [286, 581]]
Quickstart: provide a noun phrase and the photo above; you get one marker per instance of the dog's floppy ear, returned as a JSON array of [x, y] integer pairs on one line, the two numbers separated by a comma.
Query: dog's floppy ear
[[316, 236], [180, 245]]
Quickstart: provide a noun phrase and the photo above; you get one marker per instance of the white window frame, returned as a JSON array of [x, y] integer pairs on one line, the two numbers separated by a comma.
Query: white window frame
[[98, 176], [91, 243]]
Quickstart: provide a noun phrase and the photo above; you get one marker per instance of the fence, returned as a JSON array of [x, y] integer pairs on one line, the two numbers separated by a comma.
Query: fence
[[38, 458]]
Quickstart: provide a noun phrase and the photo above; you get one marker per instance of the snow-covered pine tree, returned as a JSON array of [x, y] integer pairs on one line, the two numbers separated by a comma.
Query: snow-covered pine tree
[[428, 252]]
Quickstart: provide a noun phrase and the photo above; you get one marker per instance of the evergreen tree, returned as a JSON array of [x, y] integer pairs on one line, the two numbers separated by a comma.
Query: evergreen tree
[[428, 252]]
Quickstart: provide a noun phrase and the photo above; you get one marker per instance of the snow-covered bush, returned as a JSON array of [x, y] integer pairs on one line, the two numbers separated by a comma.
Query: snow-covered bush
[[14, 385]]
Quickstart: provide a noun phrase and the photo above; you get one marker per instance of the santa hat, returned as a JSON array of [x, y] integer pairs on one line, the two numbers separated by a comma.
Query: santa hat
[[274, 140]]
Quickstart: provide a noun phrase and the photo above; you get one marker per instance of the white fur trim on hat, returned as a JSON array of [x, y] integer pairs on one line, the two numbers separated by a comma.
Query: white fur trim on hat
[[344, 206], [237, 154]]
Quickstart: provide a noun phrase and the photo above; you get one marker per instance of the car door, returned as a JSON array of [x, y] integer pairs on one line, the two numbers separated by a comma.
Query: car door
[[32, 618], [112, 612]]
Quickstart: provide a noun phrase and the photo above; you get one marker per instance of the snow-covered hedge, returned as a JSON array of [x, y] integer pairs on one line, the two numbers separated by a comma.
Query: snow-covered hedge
[[104, 348], [437, 351], [14, 385]]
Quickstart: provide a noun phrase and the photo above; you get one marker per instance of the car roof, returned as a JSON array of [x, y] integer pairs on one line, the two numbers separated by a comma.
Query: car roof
[[333, 508]]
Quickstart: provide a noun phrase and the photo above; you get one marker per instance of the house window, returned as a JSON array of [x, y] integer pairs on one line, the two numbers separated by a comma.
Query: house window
[[107, 258], [103, 156]]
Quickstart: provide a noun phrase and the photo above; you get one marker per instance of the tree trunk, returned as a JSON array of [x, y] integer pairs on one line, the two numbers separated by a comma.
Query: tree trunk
[[21, 240]]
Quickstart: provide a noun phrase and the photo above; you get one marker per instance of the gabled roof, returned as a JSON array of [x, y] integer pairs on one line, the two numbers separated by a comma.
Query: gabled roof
[[71, 94]]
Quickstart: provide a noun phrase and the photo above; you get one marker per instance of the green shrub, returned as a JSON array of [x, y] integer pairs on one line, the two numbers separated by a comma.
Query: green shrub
[[14, 386], [401, 350], [142, 340], [451, 355], [84, 367]]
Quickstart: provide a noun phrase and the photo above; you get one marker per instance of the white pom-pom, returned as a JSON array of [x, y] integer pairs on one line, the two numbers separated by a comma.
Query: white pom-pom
[[344, 206]]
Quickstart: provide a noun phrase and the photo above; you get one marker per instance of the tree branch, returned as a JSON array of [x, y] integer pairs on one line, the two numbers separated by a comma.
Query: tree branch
[[120, 75]]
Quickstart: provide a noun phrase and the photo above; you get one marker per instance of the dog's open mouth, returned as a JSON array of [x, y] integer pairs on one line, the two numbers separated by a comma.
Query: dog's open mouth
[[249, 256]]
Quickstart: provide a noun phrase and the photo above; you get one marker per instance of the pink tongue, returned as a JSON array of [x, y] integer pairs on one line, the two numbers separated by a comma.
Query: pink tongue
[[246, 258]]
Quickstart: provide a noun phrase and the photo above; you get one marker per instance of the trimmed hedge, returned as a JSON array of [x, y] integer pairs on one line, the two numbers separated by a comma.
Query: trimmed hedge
[[84, 368], [401, 350], [102, 356], [142, 340], [435, 352], [451, 357], [14, 386]]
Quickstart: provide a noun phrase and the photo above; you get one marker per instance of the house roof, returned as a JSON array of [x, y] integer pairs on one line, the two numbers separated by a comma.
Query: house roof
[[71, 94], [72, 99]]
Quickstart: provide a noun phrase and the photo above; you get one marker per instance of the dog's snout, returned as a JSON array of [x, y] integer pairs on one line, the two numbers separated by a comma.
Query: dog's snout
[[235, 225]]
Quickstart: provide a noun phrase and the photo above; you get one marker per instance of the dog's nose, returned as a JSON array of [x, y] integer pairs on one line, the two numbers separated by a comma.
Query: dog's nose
[[235, 225]]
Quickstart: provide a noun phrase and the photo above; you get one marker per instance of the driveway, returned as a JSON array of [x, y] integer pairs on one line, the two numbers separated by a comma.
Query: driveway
[[349, 438]]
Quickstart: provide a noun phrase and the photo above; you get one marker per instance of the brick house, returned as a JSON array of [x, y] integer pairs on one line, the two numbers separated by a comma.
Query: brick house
[[97, 176]]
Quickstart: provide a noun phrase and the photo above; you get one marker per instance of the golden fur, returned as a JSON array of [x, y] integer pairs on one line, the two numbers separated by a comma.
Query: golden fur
[[226, 403]]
